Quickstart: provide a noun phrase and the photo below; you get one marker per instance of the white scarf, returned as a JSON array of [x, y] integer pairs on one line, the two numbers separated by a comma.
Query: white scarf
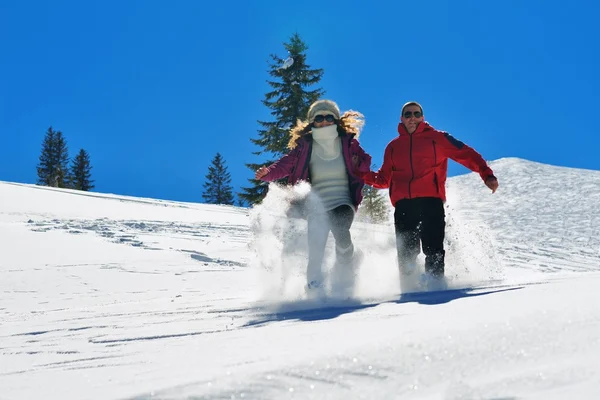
[[327, 142]]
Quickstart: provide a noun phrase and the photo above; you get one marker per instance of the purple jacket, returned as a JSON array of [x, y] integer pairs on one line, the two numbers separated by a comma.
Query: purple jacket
[[294, 165]]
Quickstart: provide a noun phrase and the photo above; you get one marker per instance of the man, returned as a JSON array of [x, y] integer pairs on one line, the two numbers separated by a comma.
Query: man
[[415, 169]]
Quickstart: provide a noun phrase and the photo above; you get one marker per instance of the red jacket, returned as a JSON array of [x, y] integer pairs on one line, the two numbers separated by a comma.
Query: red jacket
[[416, 165]]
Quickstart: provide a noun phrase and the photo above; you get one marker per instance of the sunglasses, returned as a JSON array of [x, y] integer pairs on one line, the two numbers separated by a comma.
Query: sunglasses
[[417, 114], [321, 118]]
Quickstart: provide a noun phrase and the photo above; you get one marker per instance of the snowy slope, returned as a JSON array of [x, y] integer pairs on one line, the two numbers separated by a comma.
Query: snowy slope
[[114, 297], [545, 218]]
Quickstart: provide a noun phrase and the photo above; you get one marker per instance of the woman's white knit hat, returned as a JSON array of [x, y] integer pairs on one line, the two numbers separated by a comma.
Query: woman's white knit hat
[[323, 107]]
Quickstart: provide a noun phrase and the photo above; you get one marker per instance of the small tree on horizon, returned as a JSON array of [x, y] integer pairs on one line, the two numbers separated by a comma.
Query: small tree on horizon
[[217, 188], [374, 207], [53, 167], [80, 176], [241, 202]]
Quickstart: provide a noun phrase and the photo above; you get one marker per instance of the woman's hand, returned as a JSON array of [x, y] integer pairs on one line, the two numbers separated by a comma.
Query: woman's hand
[[262, 171]]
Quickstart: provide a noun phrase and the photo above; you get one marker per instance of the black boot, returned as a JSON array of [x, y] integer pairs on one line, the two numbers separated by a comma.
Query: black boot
[[434, 264]]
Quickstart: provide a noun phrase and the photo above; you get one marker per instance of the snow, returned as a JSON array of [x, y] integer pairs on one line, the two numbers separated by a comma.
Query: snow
[[112, 297], [287, 63]]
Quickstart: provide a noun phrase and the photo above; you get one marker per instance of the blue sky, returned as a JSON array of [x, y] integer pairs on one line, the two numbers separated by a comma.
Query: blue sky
[[154, 89]]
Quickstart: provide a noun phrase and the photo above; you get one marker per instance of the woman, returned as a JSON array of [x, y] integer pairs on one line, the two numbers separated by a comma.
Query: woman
[[324, 151]]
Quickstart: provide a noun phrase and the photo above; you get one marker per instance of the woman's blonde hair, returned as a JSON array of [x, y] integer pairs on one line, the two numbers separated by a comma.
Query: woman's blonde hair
[[350, 123]]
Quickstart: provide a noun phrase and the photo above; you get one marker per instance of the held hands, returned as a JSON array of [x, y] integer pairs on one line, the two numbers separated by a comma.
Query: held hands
[[262, 171], [492, 183], [357, 168]]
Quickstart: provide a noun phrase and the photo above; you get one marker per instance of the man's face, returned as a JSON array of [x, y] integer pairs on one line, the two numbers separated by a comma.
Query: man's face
[[410, 119]]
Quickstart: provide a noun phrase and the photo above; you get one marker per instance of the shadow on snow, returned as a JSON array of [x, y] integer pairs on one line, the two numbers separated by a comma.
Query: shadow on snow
[[329, 308]]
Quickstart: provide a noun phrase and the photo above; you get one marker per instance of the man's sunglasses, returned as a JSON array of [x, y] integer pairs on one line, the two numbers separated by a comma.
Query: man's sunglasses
[[417, 114], [321, 118]]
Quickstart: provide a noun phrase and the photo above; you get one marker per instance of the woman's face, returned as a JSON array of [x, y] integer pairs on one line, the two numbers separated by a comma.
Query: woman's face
[[323, 119]]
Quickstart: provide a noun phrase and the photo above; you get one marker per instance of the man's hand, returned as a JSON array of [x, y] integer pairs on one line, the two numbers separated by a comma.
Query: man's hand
[[492, 183], [262, 171]]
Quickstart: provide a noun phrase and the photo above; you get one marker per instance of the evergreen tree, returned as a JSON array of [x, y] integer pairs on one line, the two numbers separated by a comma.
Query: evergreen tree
[[54, 160], [217, 188], [80, 176], [288, 101], [374, 207], [47, 165]]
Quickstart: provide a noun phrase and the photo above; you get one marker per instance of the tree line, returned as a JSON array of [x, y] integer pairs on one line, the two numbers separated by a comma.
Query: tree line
[[57, 169], [294, 87]]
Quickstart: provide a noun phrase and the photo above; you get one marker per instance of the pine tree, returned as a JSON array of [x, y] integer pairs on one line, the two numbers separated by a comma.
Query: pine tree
[[217, 188], [288, 101], [80, 176], [52, 169], [374, 207], [47, 165]]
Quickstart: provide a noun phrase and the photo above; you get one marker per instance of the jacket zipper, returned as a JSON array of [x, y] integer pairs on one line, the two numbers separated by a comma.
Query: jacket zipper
[[393, 169], [435, 178], [412, 169], [307, 162]]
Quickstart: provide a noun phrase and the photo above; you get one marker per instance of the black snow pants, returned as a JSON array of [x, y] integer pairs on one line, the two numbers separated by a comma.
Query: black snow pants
[[421, 221]]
